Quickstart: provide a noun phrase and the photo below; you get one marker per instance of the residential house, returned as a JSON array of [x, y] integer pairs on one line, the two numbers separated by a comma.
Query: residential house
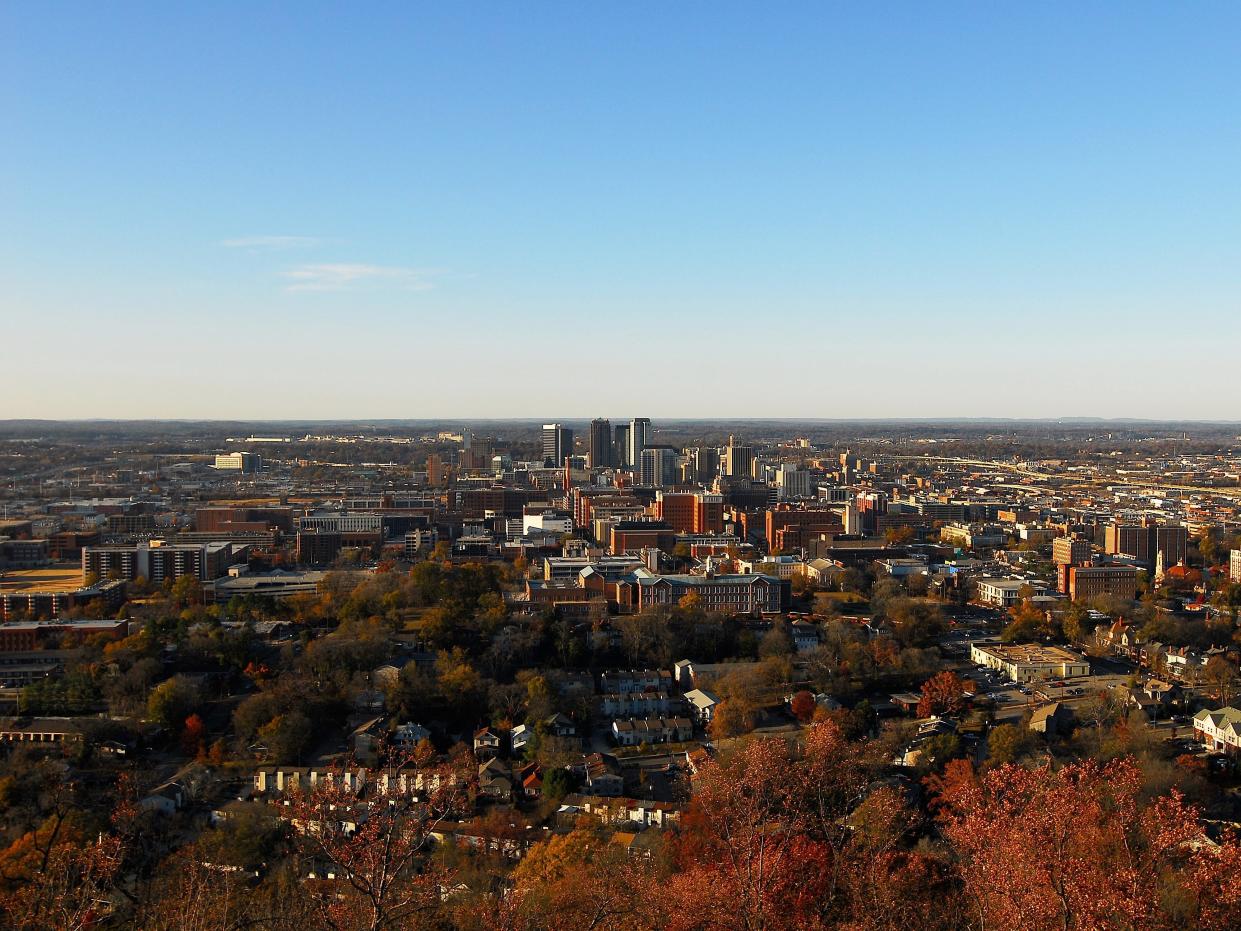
[[1219, 730], [1052, 718], [702, 704], [530, 779], [165, 800], [495, 781], [621, 810], [806, 635], [487, 743], [409, 735], [635, 680], [600, 774], [636, 704], [519, 737], [631, 732], [281, 780]]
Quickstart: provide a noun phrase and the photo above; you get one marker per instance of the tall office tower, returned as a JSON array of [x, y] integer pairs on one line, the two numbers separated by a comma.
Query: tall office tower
[[738, 460], [600, 443], [639, 435], [704, 462], [657, 466], [435, 470], [620, 449], [792, 481], [557, 443], [853, 519]]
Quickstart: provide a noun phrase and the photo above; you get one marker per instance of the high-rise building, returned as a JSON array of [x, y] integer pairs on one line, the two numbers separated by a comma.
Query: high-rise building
[[738, 459], [1234, 566], [436, 473], [691, 511], [704, 463], [1145, 541], [792, 481], [1070, 551], [620, 446], [557, 443], [657, 466], [600, 443], [639, 436]]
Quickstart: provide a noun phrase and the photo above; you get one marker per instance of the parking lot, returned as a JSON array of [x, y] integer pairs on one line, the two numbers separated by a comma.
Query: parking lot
[[1013, 700]]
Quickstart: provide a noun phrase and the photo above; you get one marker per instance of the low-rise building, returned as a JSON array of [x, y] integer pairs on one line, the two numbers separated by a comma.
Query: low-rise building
[[1090, 581], [633, 731], [1005, 593], [1219, 730], [1029, 662]]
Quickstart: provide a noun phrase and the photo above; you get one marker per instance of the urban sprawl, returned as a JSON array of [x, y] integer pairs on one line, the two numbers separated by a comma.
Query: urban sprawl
[[620, 674]]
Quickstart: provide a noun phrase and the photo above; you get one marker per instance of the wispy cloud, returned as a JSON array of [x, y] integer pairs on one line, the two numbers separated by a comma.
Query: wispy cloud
[[342, 276], [271, 242]]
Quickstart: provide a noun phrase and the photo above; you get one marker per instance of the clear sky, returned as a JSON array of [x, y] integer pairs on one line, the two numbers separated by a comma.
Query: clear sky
[[249, 210]]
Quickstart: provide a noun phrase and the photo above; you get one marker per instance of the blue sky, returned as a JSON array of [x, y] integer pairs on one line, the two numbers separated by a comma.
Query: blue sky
[[676, 209]]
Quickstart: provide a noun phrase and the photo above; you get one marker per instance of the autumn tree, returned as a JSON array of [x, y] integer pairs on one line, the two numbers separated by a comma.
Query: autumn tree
[[378, 848], [60, 873], [193, 734], [172, 701], [580, 880], [943, 695], [802, 706], [1009, 743], [1074, 848], [786, 835]]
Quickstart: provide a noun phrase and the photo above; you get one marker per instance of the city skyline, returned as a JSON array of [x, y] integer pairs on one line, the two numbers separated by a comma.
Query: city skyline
[[934, 214]]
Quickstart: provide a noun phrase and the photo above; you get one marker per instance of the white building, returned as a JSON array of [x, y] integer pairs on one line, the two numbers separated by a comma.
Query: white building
[[1234, 566], [239, 462], [793, 482], [1029, 662], [547, 521], [1004, 593]]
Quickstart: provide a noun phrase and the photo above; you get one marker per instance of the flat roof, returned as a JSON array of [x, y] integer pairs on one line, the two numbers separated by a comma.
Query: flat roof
[[43, 580], [1035, 654]]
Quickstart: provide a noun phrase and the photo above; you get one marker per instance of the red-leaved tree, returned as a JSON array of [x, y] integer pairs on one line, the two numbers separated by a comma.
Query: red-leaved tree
[[942, 694], [1075, 848]]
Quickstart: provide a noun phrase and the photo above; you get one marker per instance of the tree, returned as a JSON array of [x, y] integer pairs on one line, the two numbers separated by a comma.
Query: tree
[[1027, 623], [1072, 848], [557, 783], [778, 641], [172, 701], [186, 591], [1009, 743], [385, 876], [287, 736], [579, 880], [1221, 676], [897, 536], [253, 712], [783, 836], [731, 718], [192, 736], [802, 706], [943, 695]]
